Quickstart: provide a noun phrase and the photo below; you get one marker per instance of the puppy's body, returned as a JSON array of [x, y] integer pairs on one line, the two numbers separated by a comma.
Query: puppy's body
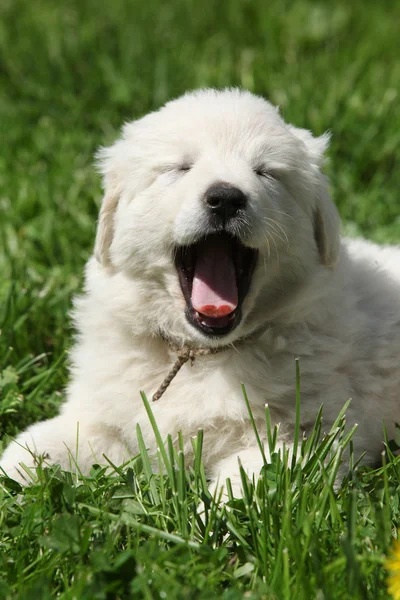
[[334, 304]]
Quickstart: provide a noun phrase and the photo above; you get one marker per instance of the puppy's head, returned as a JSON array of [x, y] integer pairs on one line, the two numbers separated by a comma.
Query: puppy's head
[[214, 204]]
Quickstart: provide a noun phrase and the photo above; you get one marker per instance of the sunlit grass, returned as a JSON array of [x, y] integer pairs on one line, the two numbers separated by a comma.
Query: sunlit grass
[[70, 74], [140, 531]]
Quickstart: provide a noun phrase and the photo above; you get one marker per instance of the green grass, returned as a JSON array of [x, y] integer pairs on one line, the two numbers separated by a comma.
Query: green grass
[[70, 74], [136, 533]]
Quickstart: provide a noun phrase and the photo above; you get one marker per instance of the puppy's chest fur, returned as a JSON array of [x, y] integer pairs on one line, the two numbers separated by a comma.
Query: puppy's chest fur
[[205, 394]]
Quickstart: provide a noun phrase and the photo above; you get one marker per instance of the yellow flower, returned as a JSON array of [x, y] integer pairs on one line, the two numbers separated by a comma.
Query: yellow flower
[[392, 564]]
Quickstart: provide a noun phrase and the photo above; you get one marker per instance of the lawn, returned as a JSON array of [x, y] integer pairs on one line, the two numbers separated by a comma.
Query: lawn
[[71, 73]]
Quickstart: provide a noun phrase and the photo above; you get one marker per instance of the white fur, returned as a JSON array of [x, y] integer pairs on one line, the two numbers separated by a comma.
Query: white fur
[[333, 303]]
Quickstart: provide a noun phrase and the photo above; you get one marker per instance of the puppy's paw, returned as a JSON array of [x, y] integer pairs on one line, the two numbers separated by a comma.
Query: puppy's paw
[[246, 464], [41, 444], [19, 463]]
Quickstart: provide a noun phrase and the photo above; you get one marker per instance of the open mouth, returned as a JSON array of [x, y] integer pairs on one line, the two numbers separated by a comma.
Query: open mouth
[[215, 276]]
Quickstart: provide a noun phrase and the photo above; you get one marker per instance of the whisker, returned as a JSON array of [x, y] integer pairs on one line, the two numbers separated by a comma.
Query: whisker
[[281, 212], [272, 230], [273, 239], [277, 225], [242, 226], [276, 248], [265, 263], [268, 246]]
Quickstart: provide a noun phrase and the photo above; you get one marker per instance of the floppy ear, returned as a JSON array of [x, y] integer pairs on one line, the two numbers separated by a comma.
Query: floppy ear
[[105, 225], [326, 226], [107, 164], [325, 215]]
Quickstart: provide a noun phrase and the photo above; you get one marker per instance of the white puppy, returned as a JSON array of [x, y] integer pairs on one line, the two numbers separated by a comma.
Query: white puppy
[[217, 232]]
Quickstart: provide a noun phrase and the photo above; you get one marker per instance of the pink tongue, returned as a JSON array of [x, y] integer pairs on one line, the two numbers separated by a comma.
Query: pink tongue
[[214, 291]]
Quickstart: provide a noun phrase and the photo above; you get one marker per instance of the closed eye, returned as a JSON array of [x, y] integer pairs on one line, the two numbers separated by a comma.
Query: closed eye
[[262, 171], [184, 167], [175, 168]]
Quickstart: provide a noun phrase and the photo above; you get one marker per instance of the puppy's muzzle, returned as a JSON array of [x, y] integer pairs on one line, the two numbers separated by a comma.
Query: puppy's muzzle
[[224, 202]]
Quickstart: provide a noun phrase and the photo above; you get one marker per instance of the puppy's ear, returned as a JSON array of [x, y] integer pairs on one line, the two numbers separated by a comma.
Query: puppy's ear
[[105, 226], [326, 226], [325, 215]]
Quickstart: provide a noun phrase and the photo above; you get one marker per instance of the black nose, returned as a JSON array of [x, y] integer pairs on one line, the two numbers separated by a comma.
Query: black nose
[[224, 200]]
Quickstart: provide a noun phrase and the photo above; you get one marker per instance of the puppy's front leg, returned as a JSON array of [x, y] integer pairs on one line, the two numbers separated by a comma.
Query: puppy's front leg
[[249, 458], [63, 441]]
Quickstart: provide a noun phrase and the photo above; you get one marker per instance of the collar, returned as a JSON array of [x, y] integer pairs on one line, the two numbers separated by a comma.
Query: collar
[[185, 353]]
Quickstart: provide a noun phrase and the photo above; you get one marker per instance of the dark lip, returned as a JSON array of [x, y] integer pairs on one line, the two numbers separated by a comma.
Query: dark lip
[[244, 259]]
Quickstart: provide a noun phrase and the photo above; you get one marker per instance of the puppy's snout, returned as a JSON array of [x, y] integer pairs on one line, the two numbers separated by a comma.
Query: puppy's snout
[[224, 200]]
